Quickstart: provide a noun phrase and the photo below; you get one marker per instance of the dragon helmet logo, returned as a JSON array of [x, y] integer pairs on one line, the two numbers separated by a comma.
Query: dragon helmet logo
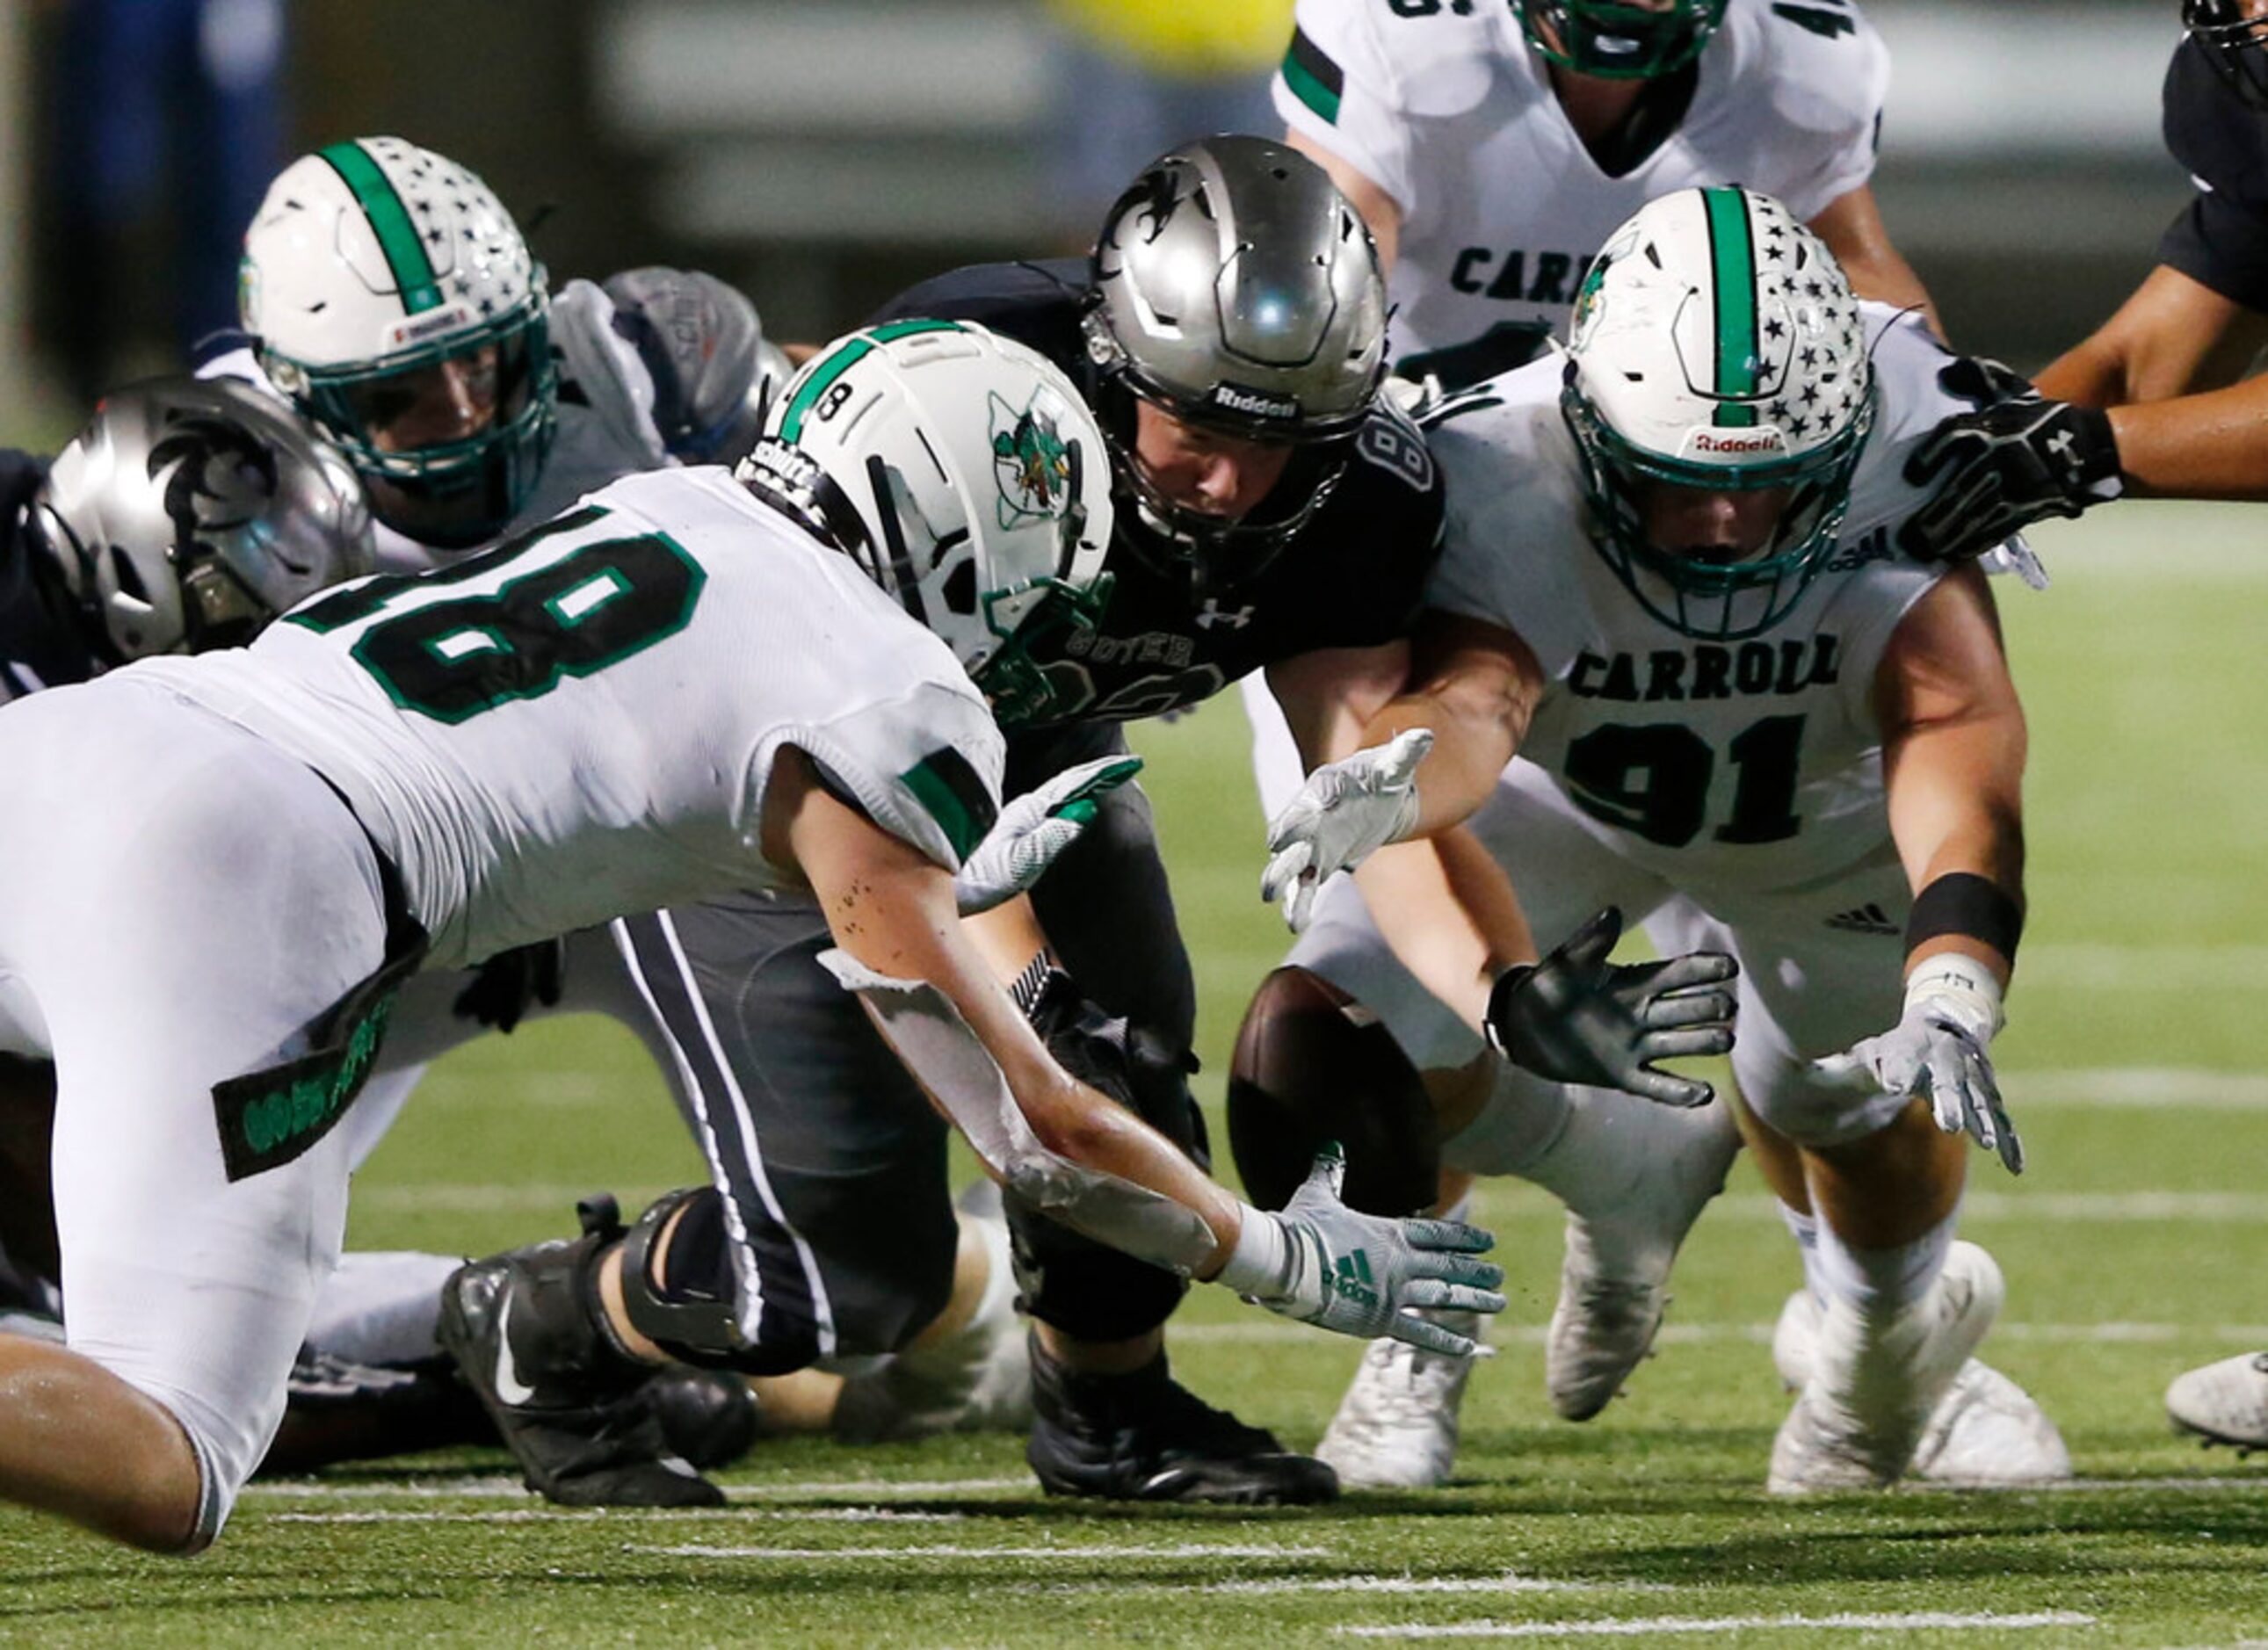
[[223, 479], [1031, 462]]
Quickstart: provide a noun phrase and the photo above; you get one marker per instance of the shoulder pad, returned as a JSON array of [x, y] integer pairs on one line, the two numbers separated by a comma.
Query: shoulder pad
[[703, 345]]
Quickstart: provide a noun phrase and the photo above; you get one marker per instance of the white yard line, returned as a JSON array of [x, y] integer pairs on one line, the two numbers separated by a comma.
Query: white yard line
[[1114, 1549], [491, 1487], [1398, 1583], [1262, 1333], [548, 1514], [2147, 1088], [1614, 1627]]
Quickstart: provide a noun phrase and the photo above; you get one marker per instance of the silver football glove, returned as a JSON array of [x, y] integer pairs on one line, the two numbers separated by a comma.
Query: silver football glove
[[1576, 1018], [1033, 830], [1347, 811], [1937, 1050], [1324, 1263]]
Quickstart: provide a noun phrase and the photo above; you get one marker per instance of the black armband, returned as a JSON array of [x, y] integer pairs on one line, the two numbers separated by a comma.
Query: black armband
[[1962, 903]]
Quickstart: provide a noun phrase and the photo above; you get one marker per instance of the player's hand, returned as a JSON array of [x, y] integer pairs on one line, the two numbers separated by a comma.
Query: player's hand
[[1347, 811], [503, 989], [2014, 460], [1935, 1052], [1576, 1018], [1033, 829], [1358, 1273]]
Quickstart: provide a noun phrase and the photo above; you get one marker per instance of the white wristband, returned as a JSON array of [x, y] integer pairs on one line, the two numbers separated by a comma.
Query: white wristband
[[1962, 987], [1261, 1262]]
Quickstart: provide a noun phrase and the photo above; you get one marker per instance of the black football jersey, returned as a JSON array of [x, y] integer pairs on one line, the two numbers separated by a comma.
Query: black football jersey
[[40, 647], [1352, 577], [2220, 239]]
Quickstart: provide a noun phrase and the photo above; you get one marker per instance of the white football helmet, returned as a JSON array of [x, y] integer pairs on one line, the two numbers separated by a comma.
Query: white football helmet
[[387, 292], [1717, 347], [191, 511], [962, 471]]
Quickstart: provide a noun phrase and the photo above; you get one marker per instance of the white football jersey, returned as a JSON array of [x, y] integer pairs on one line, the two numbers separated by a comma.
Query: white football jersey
[[1446, 107], [1726, 767], [606, 420], [579, 724]]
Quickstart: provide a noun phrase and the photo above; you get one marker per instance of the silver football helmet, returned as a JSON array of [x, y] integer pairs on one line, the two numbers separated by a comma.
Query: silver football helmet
[[191, 511], [1235, 287]]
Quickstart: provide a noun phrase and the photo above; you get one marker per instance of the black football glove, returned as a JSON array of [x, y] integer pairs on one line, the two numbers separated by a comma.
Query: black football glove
[[1576, 1018], [2016, 459], [505, 987]]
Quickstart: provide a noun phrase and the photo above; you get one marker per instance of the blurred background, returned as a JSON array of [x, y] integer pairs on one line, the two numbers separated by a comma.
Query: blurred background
[[823, 154]]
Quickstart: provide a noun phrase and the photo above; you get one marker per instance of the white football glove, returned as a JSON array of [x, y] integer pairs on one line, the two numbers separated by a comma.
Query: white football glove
[[1347, 811], [1033, 829], [1324, 1263], [1937, 1050]]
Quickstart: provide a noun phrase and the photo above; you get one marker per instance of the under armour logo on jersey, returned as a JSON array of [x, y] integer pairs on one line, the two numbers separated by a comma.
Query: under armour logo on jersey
[[1213, 614]]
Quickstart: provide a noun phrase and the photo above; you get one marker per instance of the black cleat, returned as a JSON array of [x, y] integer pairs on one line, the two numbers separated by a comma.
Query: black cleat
[[573, 1407], [337, 1410], [1144, 1437]]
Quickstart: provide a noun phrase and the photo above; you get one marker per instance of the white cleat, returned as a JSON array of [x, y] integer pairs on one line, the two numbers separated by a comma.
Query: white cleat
[[1396, 1428], [1634, 1176], [977, 1379], [1986, 1431], [1872, 1389], [2225, 1403]]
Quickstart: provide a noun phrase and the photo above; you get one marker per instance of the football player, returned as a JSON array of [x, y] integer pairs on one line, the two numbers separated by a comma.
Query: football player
[[1271, 513], [387, 292], [686, 684], [1492, 147], [1738, 709], [2155, 403]]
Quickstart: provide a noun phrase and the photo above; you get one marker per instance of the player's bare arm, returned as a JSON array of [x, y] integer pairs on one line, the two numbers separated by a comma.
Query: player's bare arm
[[2174, 336], [1952, 752], [892, 909]]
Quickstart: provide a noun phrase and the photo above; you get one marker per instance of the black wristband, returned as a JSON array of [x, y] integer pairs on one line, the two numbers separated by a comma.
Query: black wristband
[[1500, 1004], [2095, 461], [1962, 903]]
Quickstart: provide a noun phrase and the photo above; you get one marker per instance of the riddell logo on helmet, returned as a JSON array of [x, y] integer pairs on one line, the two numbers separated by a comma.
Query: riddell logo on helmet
[[1768, 441], [1232, 399], [417, 328]]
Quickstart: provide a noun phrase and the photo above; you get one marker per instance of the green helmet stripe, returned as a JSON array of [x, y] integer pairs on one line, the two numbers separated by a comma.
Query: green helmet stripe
[[820, 375], [1732, 266], [828, 368], [389, 220]]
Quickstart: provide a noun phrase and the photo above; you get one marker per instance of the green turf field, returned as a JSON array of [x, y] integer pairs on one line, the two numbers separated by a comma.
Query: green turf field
[[2132, 1247]]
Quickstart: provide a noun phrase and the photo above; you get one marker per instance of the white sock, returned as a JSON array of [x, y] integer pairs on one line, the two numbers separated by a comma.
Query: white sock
[[1522, 1119], [1881, 1283], [1804, 1228]]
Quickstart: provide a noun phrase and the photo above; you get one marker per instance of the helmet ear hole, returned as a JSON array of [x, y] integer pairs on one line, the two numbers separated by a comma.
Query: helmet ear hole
[[127, 576], [959, 591]]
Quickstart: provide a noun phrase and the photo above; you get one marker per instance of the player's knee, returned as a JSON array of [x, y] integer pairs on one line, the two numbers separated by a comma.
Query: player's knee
[[1088, 1291], [1819, 1116], [1311, 1067]]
